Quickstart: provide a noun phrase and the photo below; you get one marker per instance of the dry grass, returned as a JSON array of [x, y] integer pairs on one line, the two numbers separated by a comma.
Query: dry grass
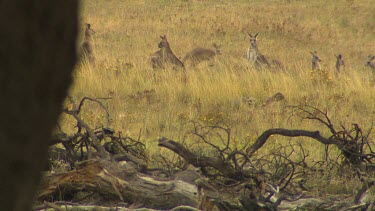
[[127, 32]]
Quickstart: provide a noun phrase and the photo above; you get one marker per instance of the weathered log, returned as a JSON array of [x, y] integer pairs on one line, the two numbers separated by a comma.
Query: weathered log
[[67, 207], [109, 183], [330, 202]]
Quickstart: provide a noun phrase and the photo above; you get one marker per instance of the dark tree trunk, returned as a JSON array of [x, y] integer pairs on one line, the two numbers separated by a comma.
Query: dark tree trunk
[[37, 56]]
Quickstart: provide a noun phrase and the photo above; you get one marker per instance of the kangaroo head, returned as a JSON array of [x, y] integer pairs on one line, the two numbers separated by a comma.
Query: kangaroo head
[[89, 31], [315, 56], [217, 48], [164, 42], [253, 39], [340, 60]]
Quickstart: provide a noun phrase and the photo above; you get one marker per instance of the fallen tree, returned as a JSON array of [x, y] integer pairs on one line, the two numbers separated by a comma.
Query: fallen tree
[[111, 170], [109, 183], [351, 142]]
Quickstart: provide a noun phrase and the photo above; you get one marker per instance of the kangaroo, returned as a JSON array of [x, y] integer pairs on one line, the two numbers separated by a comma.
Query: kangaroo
[[315, 61], [87, 46], [165, 56], [253, 54], [371, 62], [199, 54], [339, 63]]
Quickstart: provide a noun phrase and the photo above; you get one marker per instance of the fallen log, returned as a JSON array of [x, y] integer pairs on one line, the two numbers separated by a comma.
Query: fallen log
[[105, 183], [68, 207]]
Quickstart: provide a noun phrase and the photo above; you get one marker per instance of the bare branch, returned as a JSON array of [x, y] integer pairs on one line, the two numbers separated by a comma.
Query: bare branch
[[261, 140], [94, 100], [220, 165], [103, 154]]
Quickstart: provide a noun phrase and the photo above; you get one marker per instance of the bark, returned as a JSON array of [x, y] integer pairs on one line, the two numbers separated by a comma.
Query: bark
[[37, 56]]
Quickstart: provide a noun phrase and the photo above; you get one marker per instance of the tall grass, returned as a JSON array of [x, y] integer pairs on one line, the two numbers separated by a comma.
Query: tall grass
[[157, 103]]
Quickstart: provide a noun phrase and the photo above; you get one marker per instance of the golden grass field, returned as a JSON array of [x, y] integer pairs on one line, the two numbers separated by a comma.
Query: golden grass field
[[127, 33]]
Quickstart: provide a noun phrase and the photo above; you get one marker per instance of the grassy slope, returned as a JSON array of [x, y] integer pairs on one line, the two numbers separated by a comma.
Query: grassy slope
[[128, 32]]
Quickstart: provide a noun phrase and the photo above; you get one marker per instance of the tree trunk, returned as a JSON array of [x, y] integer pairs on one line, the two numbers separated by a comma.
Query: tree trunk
[[37, 56]]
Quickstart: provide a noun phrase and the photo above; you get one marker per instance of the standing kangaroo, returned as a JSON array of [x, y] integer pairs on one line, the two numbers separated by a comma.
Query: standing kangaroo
[[253, 54], [199, 54], [165, 56], [315, 61], [87, 46], [371, 62], [339, 63]]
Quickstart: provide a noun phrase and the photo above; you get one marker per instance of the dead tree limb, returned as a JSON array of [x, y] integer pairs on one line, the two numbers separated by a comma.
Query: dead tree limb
[[103, 154], [128, 157], [363, 192], [262, 139], [217, 163], [352, 143], [78, 146], [81, 103]]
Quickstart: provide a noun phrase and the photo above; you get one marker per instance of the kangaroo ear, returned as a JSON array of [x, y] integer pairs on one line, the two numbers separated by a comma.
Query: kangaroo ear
[[256, 34], [312, 53], [249, 34], [214, 45]]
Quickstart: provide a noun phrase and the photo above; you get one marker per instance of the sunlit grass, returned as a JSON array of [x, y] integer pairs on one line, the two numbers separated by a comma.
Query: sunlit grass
[[159, 103]]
